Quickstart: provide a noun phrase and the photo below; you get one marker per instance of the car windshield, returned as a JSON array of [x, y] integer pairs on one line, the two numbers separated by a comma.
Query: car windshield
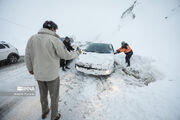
[[99, 48]]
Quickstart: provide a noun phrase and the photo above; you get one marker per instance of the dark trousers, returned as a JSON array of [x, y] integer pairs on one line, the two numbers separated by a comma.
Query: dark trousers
[[64, 63], [128, 56], [53, 88]]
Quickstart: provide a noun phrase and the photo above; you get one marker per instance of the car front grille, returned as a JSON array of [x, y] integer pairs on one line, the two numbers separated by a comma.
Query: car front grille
[[89, 68]]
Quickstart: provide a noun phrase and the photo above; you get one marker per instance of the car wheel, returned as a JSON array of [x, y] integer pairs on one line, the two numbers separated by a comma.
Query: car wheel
[[12, 59]]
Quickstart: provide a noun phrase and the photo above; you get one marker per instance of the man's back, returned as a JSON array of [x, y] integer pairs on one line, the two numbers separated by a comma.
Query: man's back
[[43, 53]]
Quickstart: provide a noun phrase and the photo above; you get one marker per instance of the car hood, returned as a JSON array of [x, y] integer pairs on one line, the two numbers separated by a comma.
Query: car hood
[[95, 60]]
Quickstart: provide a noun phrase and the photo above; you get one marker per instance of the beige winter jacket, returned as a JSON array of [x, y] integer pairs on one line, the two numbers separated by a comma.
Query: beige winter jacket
[[43, 52]]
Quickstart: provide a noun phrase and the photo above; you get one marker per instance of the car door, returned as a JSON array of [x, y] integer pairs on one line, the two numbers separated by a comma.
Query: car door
[[3, 52]]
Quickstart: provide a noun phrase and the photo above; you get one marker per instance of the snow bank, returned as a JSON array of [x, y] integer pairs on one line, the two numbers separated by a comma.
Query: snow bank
[[141, 72]]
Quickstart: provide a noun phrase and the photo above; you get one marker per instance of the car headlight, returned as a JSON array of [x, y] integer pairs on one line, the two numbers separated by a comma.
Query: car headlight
[[77, 67], [107, 72]]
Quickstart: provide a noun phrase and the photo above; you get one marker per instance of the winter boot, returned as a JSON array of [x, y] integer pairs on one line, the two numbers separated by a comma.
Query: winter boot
[[67, 67], [57, 116], [45, 114], [63, 69]]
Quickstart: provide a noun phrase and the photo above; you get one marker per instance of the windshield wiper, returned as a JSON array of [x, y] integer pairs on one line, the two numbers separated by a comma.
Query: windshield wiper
[[103, 52], [90, 51]]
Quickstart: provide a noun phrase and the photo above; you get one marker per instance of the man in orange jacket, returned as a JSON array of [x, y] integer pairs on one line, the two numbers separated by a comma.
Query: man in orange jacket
[[127, 50]]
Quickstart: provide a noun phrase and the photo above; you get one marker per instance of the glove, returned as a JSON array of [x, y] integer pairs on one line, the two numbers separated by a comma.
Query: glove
[[116, 52]]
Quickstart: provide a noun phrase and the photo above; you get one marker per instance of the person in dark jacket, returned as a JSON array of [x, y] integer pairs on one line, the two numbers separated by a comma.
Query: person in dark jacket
[[127, 50], [67, 43]]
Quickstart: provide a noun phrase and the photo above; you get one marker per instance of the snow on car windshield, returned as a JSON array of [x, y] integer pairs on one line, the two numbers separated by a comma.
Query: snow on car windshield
[[99, 48]]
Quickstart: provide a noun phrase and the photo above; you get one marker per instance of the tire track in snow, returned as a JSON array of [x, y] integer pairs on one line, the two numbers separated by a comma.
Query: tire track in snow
[[7, 105]]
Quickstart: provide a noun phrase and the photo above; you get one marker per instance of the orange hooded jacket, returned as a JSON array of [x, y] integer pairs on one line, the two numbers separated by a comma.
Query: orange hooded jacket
[[125, 49]]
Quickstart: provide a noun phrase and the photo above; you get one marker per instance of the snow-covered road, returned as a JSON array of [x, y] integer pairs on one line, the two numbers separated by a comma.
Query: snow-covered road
[[124, 95]]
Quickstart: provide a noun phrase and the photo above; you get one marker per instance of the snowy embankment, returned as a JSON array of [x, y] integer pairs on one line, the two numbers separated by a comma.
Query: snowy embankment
[[140, 92]]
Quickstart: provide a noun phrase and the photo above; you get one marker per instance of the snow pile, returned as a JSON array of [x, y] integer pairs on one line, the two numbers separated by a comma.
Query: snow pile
[[140, 73], [86, 97]]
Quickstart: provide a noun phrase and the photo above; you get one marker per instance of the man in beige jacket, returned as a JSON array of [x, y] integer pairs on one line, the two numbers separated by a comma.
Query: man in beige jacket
[[43, 52]]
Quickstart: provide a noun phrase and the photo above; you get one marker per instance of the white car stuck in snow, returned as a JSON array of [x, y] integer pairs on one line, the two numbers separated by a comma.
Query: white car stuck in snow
[[8, 53], [97, 59]]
